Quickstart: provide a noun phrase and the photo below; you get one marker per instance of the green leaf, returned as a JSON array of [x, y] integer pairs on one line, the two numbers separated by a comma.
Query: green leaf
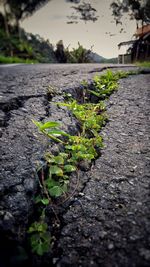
[[65, 177], [58, 160], [57, 132], [69, 147], [37, 227], [38, 124], [88, 156], [94, 93], [51, 182], [45, 201], [65, 187], [64, 155], [31, 230], [39, 245], [56, 170], [56, 191], [38, 199], [42, 227], [69, 168], [39, 249], [49, 124]]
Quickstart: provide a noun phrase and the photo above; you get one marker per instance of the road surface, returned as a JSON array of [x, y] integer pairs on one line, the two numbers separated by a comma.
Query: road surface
[[108, 222]]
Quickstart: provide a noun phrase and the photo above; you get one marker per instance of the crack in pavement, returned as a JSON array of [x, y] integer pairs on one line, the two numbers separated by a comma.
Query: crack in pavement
[[113, 226], [15, 103], [22, 148]]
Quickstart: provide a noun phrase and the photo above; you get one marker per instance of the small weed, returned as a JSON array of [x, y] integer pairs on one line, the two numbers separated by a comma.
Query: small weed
[[82, 148], [51, 130], [106, 84], [90, 116], [40, 238]]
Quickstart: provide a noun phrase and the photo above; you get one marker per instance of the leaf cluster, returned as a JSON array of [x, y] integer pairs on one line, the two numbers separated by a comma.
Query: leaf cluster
[[39, 237], [90, 116], [104, 85], [58, 179]]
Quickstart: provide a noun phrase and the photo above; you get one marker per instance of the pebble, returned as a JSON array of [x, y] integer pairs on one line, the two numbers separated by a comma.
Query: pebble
[[110, 246]]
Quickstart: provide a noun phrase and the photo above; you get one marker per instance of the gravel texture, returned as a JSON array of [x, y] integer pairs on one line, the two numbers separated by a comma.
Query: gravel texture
[[107, 223]]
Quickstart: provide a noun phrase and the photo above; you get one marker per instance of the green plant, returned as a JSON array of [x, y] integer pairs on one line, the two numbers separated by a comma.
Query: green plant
[[104, 85], [90, 116], [40, 238], [55, 183], [51, 130], [82, 148], [74, 150], [58, 170]]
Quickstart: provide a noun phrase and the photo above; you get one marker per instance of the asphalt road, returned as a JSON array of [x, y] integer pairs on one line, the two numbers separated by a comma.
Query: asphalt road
[[111, 226]]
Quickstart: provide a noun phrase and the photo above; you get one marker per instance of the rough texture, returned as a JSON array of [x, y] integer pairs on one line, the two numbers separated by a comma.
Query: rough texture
[[107, 225], [24, 97]]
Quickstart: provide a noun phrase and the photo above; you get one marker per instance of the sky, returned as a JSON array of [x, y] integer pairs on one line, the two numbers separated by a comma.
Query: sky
[[50, 22]]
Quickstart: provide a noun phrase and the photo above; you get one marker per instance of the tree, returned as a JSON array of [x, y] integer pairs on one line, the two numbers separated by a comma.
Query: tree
[[80, 54], [137, 9], [5, 25], [84, 11], [6, 17], [60, 52], [21, 9]]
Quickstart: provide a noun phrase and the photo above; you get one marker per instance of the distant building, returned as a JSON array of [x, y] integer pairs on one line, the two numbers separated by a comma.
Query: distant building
[[138, 49], [124, 56]]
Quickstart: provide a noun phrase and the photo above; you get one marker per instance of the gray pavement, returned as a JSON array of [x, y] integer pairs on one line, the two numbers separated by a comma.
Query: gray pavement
[[109, 226]]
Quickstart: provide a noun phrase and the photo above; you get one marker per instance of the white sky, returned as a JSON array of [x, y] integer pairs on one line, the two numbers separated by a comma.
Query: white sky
[[50, 23]]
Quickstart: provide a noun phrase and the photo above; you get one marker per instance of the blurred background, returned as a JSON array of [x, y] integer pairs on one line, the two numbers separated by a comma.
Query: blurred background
[[72, 31]]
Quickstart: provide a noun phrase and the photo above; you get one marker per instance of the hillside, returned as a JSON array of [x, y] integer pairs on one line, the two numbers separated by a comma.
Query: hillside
[[96, 58]]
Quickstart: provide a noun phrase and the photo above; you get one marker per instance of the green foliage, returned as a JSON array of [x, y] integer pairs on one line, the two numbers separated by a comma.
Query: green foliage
[[28, 47], [90, 116], [106, 84], [78, 55], [51, 130], [57, 180], [40, 238], [82, 148], [32, 47], [10, 60], [74, 150]]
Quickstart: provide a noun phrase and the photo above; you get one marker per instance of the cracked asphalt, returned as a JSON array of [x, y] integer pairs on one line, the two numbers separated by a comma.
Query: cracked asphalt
[[108, 222], [112, 227]]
